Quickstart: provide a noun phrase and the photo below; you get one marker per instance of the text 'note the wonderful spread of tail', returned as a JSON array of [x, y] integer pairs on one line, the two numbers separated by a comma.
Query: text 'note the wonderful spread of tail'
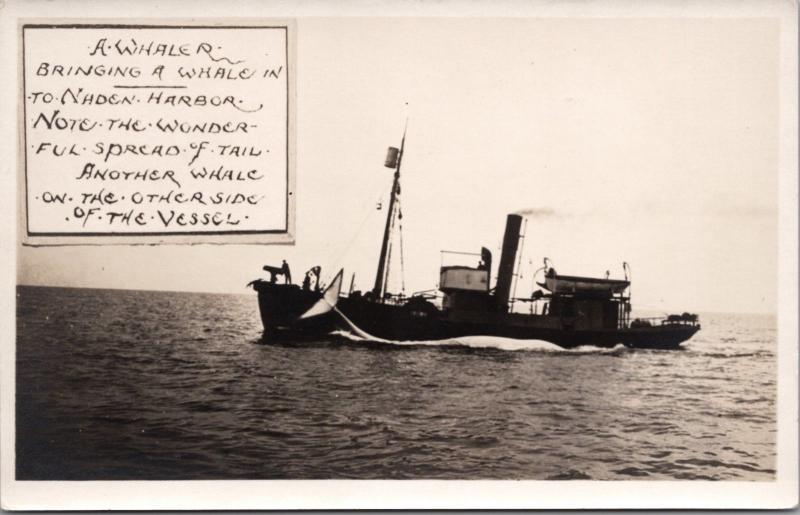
[[143, 131]]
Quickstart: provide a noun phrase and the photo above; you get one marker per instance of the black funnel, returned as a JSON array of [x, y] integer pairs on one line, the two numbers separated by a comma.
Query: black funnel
[[505, 272]]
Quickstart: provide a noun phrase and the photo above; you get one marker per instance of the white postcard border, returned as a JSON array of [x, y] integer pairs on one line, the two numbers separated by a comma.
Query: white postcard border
[[336, 494]]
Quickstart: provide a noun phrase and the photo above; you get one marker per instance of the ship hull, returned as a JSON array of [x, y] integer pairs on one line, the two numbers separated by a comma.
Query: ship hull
[[281, 306]]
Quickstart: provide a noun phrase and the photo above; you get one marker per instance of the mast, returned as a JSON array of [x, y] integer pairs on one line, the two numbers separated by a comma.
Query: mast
[[380, 280]]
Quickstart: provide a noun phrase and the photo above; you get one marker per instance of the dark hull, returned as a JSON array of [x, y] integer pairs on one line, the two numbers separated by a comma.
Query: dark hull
[[280, 305]]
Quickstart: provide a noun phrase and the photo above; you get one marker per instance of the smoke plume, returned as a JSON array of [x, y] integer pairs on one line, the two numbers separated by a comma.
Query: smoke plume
[[537, 212]]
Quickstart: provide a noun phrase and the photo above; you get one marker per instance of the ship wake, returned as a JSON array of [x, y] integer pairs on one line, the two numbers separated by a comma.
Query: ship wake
[[356, 334], [488, 342]]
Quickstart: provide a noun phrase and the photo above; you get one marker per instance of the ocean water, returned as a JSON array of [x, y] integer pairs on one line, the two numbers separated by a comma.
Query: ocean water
[[157, 385]]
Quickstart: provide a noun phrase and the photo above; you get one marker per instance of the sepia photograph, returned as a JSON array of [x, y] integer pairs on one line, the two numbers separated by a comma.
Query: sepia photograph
[[551, 249]]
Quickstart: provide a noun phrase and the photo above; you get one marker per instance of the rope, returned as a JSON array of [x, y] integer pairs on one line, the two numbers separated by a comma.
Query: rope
[[369, 212], [402, 260], [389, 253]]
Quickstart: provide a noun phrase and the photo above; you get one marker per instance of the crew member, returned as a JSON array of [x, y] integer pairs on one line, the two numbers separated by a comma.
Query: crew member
[[287, 274]]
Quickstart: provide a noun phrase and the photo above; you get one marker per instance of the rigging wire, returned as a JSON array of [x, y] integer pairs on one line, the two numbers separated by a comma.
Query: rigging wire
[[369, 212], [385, 278], [393, 216], [519, 260], [402, 260], [396, 220]]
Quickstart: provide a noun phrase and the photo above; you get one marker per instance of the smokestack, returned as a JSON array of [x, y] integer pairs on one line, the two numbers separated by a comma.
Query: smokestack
[[505, 272]]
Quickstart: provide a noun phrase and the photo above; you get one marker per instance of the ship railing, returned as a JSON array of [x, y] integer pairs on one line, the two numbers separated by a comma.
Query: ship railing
[[394, 298], [427, 294], [401, 298], [669, 320], [453, 257]]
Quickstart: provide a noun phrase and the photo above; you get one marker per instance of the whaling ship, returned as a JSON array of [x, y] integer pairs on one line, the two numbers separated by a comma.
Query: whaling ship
[[569, 311]]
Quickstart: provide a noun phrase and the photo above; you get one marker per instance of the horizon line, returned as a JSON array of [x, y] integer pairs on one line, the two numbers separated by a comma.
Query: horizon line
[[771, 313]]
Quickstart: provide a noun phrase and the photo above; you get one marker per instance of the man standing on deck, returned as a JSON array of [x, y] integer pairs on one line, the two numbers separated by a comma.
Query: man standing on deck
[[287, 274]]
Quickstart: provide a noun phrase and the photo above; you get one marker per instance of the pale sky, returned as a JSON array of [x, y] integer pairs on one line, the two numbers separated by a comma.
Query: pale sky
[[651, 141]]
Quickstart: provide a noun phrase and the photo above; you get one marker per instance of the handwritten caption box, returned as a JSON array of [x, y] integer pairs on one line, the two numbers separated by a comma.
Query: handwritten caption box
[[156, 130]]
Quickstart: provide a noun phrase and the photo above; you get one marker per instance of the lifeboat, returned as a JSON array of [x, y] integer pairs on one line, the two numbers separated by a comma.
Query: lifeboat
[[569, 284]]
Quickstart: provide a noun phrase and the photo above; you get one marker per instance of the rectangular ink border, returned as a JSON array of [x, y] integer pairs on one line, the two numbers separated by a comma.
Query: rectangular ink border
[[290, 70]]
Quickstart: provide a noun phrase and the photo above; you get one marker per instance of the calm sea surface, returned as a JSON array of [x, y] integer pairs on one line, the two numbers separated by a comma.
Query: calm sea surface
[[154, 385]]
